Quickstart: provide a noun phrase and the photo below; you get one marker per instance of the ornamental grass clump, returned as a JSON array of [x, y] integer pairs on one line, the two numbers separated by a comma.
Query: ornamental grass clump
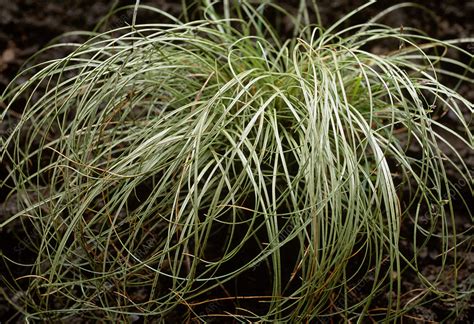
[[210, 169]]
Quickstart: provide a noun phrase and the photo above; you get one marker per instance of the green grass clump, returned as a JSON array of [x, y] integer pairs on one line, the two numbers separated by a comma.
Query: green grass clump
[[164, 167]]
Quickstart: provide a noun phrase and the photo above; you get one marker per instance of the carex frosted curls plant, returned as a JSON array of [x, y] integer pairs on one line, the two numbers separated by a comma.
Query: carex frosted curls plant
[[211, 169]]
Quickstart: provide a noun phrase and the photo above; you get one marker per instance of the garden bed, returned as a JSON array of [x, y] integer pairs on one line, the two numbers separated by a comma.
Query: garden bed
[[27, 26]]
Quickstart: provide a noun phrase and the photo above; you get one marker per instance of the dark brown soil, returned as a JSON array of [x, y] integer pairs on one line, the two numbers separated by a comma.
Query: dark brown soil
[[26, 26]]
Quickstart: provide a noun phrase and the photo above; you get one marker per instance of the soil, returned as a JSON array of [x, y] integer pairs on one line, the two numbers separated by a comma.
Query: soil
[[26, 26]]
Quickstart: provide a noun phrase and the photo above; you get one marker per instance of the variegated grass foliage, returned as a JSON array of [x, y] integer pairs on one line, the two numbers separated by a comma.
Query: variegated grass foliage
[[148, 162]]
